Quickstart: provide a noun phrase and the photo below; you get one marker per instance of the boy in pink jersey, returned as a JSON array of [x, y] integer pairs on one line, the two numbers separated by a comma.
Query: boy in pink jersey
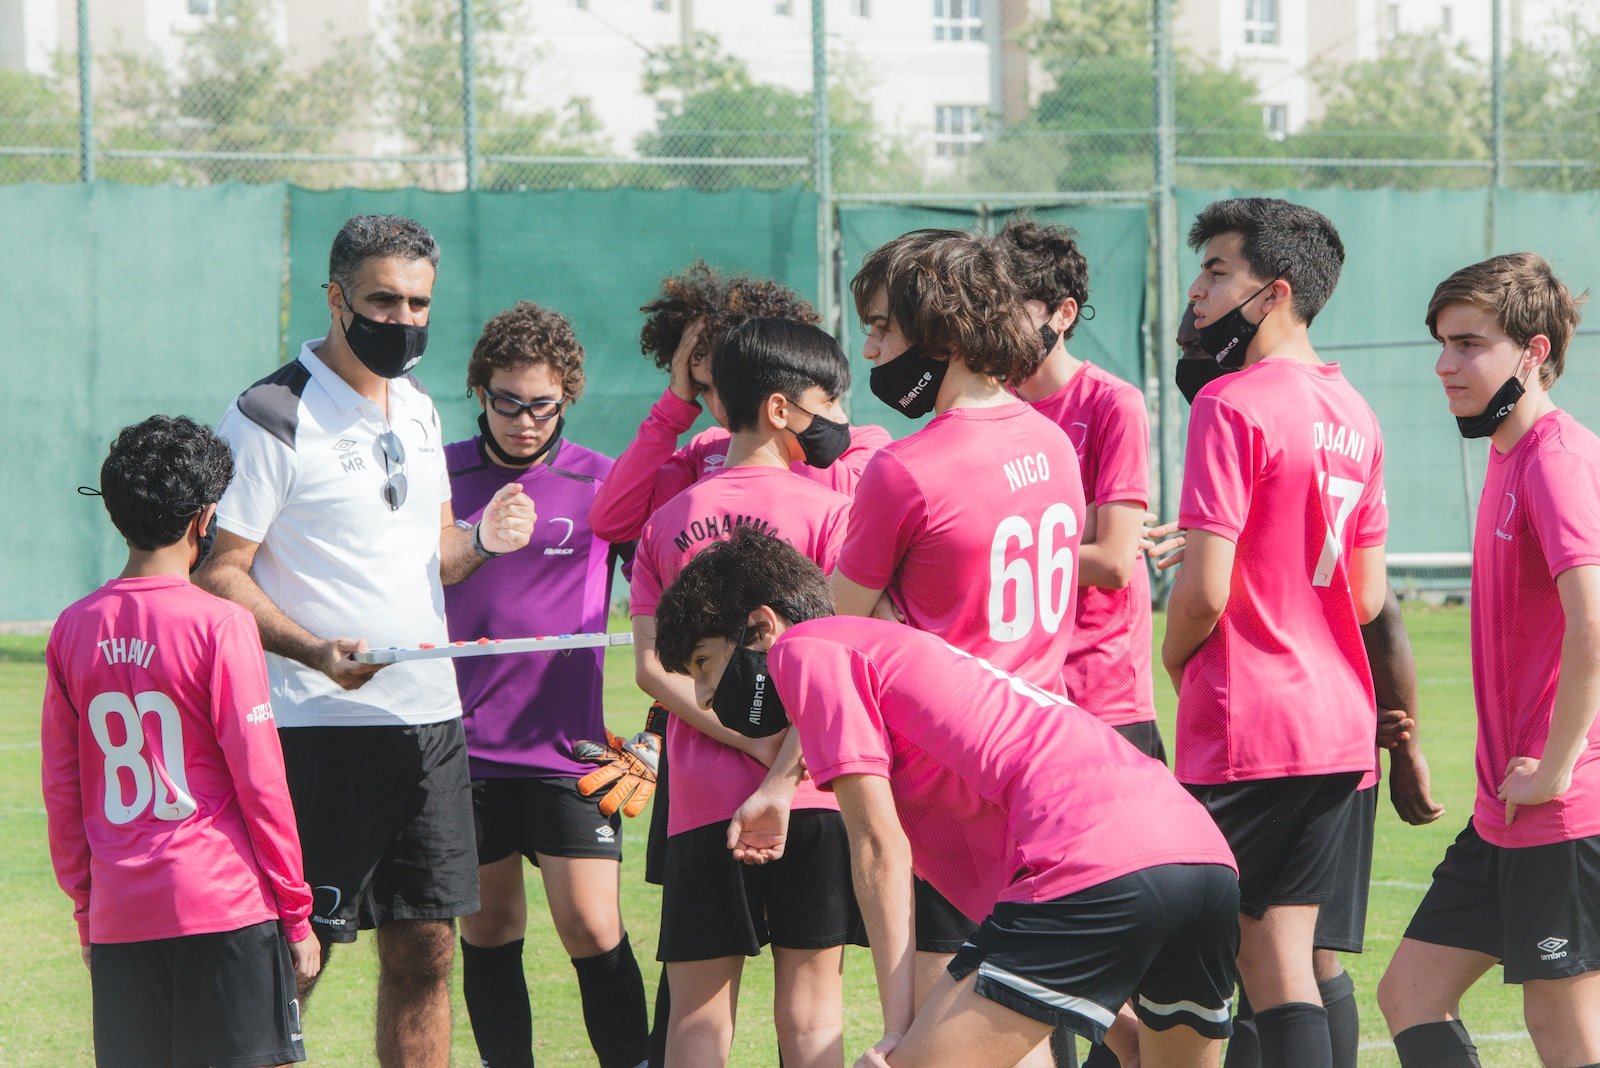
[[780, 383], [1283, 504], [686, 324], [1521, 884], [1095, 876], [971, 524], [1109, 664], [170, 822]]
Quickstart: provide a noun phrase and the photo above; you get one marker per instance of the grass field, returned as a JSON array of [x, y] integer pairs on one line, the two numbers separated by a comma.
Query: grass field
[[44, 1007]]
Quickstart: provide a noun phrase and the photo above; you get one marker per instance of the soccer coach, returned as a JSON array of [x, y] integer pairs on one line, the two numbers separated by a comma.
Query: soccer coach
[[338, 523]]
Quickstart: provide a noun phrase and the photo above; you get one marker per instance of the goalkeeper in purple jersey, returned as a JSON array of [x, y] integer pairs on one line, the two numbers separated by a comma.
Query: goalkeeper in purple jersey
[[525, 712]]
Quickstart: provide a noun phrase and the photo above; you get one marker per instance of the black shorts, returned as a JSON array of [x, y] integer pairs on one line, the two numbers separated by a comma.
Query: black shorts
[[714, 906], [1342, 920], [225, 999], [385, 818], [1146, 737], [940, 926], [548, 816], [655, 842], [1537, 908], [1166, 936], [1285, 835]]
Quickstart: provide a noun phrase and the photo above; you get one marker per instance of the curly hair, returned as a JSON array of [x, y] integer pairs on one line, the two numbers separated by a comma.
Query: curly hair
[[528, 335], [1047, 263], [159, 475], [700, 292], [714, 595], [367, 237], [953, 294]]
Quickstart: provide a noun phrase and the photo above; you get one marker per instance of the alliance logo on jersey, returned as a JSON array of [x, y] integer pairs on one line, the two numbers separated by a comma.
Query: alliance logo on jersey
[[262, 713], [556, 549], [1552, 948], [1499, 531]]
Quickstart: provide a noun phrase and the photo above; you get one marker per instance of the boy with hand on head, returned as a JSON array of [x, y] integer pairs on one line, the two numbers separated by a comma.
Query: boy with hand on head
[[170, 823], [1520, 885], [1283, 507], [1109, 664], [1096, 877], [779, 383]]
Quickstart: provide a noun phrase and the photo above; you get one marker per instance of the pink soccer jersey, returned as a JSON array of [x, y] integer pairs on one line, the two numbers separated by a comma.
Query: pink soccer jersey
[[649, 472], [1285, 460], [1109, 667], [1539, 516], [972, 524], [710, 780], [163, 779], [1031, 801]]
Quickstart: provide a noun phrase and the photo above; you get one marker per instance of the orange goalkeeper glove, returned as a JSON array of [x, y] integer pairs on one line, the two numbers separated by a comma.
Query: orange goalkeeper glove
[[628, 768]]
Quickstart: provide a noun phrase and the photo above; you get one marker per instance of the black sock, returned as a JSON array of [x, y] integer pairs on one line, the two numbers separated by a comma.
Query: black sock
[[1344, 1018], [613, 1006], [1445, 1044], [496, 992], [658, 1029], [1064, 1049], [1244, 1048], [1294, 1035]]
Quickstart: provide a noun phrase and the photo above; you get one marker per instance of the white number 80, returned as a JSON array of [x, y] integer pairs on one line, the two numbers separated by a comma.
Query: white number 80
[[176, 802]]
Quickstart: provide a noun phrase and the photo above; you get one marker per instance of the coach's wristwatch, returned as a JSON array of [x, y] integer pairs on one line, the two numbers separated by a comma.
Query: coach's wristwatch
[[477, 543]]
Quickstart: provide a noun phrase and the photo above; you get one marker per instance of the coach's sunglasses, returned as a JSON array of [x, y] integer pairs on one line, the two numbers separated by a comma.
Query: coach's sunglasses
[[394, 452], [510, 407]]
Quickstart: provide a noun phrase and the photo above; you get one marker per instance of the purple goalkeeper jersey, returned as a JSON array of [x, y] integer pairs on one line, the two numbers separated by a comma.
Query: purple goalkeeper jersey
[[523, 711]]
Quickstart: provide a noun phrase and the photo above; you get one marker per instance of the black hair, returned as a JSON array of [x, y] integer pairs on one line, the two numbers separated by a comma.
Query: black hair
[[159, 475], [1047, 264], [764, 356], [1279, 240], [367, 237], [714, 595]]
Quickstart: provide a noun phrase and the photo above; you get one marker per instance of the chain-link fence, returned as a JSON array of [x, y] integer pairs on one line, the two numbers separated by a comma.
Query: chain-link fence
[[924, 97]]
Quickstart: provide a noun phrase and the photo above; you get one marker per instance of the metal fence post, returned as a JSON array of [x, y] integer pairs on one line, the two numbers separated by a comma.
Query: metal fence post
[[1169, 418], [469, 96], [85, 97], [822, 153]]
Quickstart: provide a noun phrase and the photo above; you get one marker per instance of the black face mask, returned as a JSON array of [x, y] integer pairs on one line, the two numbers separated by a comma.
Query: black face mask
[[208, 538], [388, 350], [824, 441], [746, 701], [1194, 375], [1050, 336], [493, 446], [1500, 405], [1228, 339], [910, 382]]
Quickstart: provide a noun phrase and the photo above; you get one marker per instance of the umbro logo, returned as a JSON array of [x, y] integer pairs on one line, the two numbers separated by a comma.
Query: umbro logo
[[715, 461], [344, 445], [606, 834], [1552, 948]]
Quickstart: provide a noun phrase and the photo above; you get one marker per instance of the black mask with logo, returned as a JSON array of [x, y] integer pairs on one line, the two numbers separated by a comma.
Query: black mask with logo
[[492, 446], [746, 701], [1501, 405], [208, 538], [1052, 335], [1228, 338], [824, 441], [388, 350], [910, 382]]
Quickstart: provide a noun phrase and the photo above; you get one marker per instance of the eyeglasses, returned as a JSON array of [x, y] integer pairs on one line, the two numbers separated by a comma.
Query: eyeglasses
[[510, 407], [394, 452]]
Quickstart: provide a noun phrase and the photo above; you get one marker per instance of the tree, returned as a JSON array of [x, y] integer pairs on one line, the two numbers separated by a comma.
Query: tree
[[35, 113]]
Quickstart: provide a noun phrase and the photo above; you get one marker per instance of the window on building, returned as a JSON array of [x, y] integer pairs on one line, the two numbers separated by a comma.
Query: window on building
[[957, 128], [1275, 117], [783, 7], [1447, 19], [958, 20], [861, 8], [661, 5], [1261, 22], [1391, 20], [199, 7]]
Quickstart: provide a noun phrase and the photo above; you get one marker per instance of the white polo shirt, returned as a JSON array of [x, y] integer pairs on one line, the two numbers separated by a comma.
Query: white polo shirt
[[308, 486]]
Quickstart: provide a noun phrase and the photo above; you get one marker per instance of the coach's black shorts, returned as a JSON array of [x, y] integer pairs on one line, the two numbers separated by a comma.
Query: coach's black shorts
[[1146, 737], [1536, 908], [940, 926], [714, 906], [1285, 835], [225, 999], [385, 818], [655, 842], [549, 816], [1166, 936], [1342, 920]]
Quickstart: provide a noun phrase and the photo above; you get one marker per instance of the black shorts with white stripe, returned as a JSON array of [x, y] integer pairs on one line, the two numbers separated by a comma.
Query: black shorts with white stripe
[[1165, 936]]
